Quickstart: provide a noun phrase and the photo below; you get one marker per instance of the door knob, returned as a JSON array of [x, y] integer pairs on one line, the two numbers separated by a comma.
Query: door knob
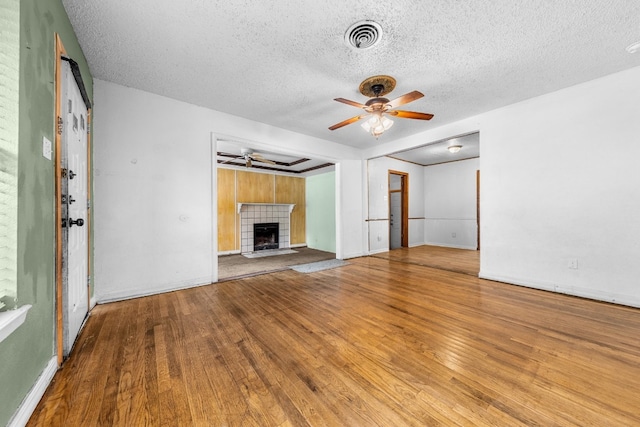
[[71, 174], [79, 222]]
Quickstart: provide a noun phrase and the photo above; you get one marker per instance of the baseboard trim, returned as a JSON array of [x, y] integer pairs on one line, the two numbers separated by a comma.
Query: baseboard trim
[[608, 297], [24, 412], [445, 245], [378, 251], [234, 252]]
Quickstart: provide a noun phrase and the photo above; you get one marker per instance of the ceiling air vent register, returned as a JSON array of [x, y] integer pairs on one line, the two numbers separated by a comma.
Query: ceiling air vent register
[[363, 35]]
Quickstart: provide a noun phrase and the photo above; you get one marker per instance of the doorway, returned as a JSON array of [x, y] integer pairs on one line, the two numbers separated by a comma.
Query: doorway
[[72, 165], [398, 209]]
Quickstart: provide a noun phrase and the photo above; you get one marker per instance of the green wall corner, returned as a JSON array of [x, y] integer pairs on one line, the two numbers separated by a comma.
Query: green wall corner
[[321, 212]]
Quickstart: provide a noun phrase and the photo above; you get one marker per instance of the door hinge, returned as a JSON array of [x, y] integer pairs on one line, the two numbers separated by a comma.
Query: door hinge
[[88, 280], [88, 204], [59, 125]]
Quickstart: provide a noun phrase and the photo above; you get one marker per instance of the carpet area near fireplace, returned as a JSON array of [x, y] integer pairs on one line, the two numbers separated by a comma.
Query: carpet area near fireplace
[[237, 266]]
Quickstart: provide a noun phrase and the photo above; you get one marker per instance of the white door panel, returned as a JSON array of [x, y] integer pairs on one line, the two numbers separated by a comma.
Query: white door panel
[[75, 252], [395, 224]]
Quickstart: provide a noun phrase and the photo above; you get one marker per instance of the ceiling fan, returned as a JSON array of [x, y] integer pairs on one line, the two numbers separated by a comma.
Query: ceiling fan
[[249, 157], [378, 108]]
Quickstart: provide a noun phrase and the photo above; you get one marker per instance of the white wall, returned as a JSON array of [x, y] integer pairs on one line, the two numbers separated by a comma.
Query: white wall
[[559, 187], [378, 204], [152, 193], [450, 204], [154, 181], [351, 187], [560, 183]]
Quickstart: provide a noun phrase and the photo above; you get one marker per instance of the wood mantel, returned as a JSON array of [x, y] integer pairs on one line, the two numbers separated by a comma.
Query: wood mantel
[[290, 205]]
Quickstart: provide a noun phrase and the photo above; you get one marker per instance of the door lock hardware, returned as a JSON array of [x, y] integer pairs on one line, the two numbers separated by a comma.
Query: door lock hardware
[[68, 199], [79, 222], [71, 174]]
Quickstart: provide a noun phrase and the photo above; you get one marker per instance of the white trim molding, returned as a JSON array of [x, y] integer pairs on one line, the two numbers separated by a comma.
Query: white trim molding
[[10, 320]]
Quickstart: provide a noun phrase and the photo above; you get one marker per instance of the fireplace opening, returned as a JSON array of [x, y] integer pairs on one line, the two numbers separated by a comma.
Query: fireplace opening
[[265, 236]]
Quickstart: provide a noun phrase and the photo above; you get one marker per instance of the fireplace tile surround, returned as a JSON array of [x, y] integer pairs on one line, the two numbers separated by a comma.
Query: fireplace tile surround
[[255, 213]]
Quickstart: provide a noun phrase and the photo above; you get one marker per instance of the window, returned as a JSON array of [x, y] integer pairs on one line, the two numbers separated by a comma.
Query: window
[[9, 114]]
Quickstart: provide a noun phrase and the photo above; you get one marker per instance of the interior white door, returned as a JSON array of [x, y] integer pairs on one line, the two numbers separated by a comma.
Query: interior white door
[[75, 251], [395, 220]]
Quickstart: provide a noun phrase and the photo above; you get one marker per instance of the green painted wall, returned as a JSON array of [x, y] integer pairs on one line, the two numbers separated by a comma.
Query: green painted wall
[[9, 114], [321, 212], [26, 352]]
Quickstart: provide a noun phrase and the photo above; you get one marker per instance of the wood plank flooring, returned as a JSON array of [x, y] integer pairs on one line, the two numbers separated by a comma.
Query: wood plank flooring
[[450, 259], [378, 342]]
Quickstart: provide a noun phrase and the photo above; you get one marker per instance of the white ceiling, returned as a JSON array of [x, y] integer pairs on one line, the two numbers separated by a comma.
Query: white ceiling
[[283, 62], [438, 152]]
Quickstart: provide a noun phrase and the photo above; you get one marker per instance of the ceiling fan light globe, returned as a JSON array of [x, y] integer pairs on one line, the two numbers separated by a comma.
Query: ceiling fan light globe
[[386, 122], [377, 131]]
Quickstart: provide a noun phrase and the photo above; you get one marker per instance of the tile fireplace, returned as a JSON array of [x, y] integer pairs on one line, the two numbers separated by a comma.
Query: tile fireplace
[[252, 214]]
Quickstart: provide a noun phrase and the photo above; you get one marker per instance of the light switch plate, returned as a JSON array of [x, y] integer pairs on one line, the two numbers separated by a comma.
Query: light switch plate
[[46, 148]]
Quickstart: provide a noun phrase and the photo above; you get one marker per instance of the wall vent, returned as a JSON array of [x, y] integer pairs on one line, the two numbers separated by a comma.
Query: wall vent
[[363, 34]]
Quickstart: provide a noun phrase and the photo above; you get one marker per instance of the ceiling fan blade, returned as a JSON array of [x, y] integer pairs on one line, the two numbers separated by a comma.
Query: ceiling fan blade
[[353, 103], [404, 99], [258, 158], [347, 122], [231, 159], [410, 115], [248, 162]]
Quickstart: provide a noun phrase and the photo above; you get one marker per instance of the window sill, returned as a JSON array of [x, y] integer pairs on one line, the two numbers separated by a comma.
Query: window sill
[[10, 320]]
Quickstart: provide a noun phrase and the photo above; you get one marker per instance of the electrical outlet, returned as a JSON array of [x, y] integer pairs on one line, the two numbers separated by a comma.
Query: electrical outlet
[[573, 263], [46, 148]]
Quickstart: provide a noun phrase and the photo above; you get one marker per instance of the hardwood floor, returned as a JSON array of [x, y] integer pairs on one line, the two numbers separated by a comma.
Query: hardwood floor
[[450, 259], [375, 343]]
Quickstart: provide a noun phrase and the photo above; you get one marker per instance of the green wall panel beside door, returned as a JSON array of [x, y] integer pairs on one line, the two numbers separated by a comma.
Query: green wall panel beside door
[[28, 350]]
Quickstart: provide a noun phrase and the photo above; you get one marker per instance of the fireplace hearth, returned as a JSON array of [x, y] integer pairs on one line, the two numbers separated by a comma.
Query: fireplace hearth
[[265, 236]]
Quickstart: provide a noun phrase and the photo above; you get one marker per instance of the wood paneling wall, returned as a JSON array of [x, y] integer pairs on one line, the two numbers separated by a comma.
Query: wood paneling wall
[[252, 187], [227, 210], [292, 190]]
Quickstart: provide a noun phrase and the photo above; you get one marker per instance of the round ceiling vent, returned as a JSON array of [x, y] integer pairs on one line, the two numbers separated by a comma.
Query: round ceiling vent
[[363, 34]]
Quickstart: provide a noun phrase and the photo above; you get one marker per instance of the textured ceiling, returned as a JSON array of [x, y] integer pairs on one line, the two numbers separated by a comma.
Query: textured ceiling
[[438, 152], [282, 62]]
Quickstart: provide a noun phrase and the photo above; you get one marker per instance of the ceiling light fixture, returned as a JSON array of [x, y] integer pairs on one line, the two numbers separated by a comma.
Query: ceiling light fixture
[[454, 148], [633, 47], [377, 124]]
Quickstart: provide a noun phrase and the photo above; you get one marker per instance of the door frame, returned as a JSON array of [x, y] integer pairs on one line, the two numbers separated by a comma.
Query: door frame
[[404, 196], [60, 52], [478, 209]]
